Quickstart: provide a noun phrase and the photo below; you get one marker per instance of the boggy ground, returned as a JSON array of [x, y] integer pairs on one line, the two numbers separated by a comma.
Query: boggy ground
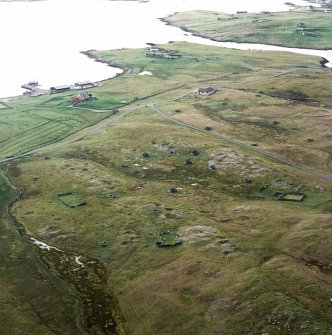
[[248, 264]]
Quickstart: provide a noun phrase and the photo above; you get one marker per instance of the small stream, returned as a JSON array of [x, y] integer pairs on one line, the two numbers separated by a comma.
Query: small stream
[[83, 275]]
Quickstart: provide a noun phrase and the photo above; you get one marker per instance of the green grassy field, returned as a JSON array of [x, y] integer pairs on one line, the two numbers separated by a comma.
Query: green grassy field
[[29, 124], [276, 29], [247, 264]]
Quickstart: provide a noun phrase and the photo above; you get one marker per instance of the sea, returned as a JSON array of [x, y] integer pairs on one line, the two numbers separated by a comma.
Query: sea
[[42, 40]]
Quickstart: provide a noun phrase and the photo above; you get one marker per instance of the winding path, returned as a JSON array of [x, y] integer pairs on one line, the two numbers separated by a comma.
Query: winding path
[[243, 145], [153, 105]]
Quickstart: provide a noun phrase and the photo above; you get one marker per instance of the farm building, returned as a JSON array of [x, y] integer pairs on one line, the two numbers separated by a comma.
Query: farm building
[[85, 84], [59, 89], [308, 33], [326, 5], [161, 55], [206, 91], [153, 49], [84, 96]]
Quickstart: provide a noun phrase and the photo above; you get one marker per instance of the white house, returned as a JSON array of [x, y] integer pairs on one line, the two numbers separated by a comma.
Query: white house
[[206, 91]]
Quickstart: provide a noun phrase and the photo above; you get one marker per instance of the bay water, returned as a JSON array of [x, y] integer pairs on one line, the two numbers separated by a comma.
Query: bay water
[[42, 40]]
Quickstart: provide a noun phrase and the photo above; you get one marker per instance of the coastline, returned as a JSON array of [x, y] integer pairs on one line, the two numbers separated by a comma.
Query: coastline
[[91, 55], [6, 99]]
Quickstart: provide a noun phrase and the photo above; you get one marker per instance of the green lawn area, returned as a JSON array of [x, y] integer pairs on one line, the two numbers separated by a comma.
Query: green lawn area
[[293, 197]]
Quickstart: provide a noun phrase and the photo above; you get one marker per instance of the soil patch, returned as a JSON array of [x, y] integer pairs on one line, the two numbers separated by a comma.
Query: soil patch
[[195, 233], [231, 159]]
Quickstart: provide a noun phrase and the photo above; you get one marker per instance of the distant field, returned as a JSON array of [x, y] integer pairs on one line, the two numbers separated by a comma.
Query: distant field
[[277, 28]]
